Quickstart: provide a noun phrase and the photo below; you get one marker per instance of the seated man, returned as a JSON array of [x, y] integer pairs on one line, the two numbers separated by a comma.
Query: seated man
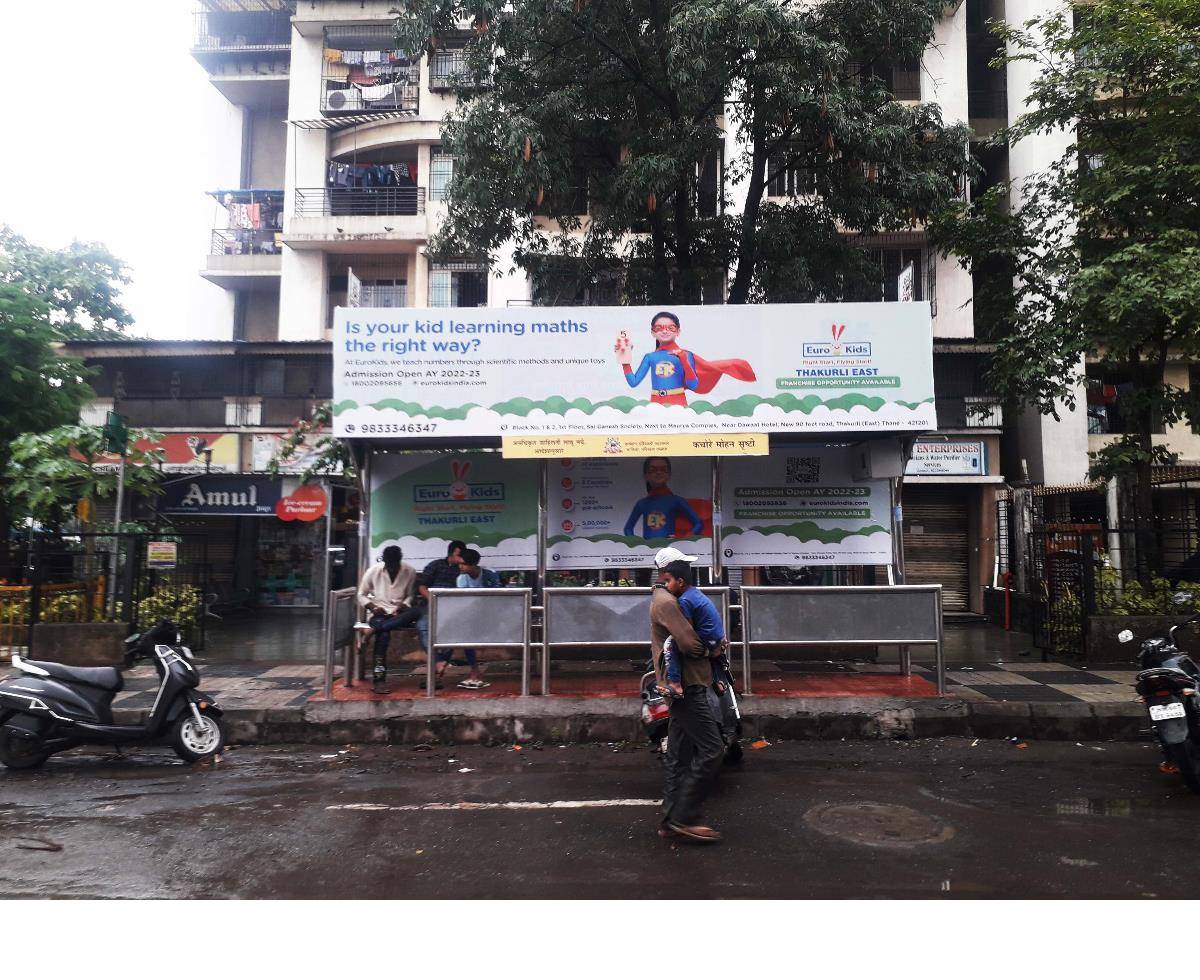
[[443, 573], [472, 576], [385, 596]]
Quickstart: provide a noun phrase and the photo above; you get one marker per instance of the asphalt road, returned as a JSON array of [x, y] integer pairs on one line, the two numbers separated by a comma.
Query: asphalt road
[[802, 820]]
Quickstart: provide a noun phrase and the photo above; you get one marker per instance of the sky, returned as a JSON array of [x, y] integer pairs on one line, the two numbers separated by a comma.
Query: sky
[[112, 133]]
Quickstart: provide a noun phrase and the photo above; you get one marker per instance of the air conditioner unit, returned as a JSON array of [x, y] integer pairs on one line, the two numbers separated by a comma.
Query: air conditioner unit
[[343, 99]]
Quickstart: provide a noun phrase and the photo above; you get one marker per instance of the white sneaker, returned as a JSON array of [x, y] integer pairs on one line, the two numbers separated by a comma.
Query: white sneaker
[[365, 627]]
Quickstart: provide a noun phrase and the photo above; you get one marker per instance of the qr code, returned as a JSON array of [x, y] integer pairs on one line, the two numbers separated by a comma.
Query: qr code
[[804, 469]]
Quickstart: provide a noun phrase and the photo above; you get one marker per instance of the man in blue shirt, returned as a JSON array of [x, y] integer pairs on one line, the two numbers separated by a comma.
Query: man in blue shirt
[[700, 611]]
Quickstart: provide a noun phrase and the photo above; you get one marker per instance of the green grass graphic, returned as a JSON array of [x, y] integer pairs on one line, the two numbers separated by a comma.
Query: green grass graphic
[[808, 531], [449, 532], [742, 407], [632, 541]]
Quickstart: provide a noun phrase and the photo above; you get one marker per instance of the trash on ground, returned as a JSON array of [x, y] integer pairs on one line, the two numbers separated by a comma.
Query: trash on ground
[[422, 747], [976, 742], [1022, 745], [332, 756], [761, 743], [39, 844], [517, 748]]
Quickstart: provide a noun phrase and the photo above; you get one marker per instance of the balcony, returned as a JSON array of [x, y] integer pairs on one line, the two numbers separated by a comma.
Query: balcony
[[970, 412], [363, 72], [315, 202]]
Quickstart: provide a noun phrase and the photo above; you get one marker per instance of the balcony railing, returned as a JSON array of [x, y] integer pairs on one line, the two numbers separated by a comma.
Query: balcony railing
[[244, 241], [316, 202], [242, 30], [970, 412], [400, 93]]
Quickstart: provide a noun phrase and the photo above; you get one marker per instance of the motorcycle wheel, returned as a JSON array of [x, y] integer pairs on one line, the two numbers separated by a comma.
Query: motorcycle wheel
[[17, 752], [1184, 757], [193, 743], [734, 753]]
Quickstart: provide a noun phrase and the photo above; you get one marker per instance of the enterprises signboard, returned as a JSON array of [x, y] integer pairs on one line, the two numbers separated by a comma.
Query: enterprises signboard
[[811, 368]]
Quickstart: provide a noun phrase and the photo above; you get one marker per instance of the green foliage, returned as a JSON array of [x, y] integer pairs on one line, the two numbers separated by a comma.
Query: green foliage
[[50, 471], [47, 296], [312, 440], [613, 107], [1099, 255], [1156, 598], [180, 604]]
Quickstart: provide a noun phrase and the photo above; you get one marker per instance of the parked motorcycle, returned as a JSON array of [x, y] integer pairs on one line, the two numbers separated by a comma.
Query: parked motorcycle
[[48, 707], [656, 711], [1167, 683]]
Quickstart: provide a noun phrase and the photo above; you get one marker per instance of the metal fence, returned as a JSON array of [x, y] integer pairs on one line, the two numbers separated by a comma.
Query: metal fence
[[1080, 571], [101, 578]]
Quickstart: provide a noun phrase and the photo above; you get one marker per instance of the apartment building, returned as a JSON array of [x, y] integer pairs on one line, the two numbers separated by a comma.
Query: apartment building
[[342, 182]]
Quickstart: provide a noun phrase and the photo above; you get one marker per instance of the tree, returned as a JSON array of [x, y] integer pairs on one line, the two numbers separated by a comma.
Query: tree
[[1101, 256], [47, 296], [50, 472], [617, 109], [312, 440]]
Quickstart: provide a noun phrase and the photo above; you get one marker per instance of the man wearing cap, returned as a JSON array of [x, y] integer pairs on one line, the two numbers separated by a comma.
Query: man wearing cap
[[694, 733]]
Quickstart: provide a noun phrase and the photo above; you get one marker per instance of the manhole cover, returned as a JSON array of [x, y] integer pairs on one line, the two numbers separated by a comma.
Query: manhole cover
[[878, 824]]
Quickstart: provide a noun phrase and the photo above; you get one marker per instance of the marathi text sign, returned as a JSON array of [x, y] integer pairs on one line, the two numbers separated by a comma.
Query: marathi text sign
[[619, 512], [802, 506], [423, 501], [829, 367], [578, 447]]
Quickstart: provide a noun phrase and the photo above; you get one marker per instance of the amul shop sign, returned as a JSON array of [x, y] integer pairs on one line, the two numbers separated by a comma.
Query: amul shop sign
[[213, 496]]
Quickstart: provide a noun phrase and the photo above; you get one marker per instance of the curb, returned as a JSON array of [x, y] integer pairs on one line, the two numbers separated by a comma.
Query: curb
[[574, 720]]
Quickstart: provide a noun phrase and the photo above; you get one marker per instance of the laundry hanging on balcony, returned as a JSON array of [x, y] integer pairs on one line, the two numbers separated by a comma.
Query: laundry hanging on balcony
[[372, 175]]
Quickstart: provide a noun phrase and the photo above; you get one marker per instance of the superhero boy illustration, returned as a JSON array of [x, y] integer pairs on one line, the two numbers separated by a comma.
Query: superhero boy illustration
[[674, 371], [660, 507]]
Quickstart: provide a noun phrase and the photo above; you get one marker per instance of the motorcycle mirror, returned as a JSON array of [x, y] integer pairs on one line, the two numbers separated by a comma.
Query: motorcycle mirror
[[1125, 636], [1179, 598]]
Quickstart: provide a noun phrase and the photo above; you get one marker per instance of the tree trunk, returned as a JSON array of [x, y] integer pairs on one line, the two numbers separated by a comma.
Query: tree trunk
[[747, 251]]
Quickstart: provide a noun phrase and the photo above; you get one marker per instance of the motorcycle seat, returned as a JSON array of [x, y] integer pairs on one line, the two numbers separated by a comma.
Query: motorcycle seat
[[105, 678]]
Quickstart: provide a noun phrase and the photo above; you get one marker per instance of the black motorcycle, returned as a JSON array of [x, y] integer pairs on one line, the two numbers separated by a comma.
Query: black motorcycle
[[1167, 683], [48, 707], [656, 711]]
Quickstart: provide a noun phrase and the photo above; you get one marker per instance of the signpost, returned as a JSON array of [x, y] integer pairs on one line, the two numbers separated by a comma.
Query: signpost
[[116, 440]]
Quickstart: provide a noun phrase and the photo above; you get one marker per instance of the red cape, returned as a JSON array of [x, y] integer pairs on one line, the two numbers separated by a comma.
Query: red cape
[[708, 373]]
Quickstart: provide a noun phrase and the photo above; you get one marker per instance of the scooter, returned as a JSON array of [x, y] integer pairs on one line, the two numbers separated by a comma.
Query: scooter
[[1167, 684], [48, 707], [656, 711]]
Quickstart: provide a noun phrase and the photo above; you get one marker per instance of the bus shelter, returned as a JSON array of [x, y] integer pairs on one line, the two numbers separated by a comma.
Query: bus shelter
[[569, 445]]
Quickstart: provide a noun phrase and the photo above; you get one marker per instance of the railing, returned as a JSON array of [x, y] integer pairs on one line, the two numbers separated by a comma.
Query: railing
[[401, 95], [970, 412], [244, 241], [242, 31], [326, 201]]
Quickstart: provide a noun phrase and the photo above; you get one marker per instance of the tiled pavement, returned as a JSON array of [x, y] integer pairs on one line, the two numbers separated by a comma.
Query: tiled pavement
[[264, 685]]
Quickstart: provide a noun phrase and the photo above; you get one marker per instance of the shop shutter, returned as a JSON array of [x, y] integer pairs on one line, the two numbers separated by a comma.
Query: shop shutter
[[936, 547]]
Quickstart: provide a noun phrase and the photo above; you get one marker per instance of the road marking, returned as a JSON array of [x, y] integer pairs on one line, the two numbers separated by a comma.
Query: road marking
[[515, 805]]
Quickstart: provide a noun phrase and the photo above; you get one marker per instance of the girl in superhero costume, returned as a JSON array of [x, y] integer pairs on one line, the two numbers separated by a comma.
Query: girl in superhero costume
[[660, 507], [674, 371]]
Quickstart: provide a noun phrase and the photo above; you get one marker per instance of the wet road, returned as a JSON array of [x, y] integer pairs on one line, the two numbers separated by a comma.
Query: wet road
[[803, 820]]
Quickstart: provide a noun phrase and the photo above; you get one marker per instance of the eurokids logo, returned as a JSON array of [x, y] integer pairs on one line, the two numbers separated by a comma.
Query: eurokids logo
[[838, 347]]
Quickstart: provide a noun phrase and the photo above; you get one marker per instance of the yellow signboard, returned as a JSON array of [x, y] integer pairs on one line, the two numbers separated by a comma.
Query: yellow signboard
[[675, 444]]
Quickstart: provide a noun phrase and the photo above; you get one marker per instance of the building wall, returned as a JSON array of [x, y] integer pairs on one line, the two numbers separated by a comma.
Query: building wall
[[262, 315], [268, 148]]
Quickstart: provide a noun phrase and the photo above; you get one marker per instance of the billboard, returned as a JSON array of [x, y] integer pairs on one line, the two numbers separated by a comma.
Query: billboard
[[802, 506], [521, 371], [618, 512], [423, 501]]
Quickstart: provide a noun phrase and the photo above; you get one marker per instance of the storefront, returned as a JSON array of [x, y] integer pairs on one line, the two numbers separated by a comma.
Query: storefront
[[266, 534], [949, 517]]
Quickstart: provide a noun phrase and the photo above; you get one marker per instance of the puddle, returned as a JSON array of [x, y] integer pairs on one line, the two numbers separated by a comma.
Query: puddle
[[878, 824], [1093, 807]]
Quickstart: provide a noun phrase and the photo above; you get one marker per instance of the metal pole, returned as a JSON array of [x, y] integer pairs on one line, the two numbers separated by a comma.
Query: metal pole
[[430, 655], [326, 618], [525, 620], [543, 524], [364, 514], [116, 547], [716, 519], [746, 603]]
